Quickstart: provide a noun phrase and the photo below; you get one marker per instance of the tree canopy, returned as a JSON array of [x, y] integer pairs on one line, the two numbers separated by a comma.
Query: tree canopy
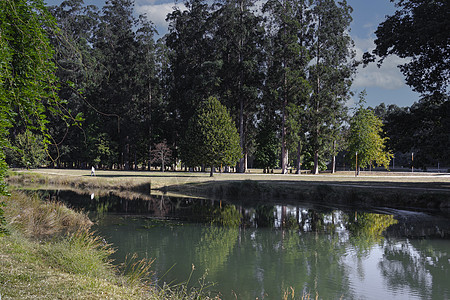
[[211, 137], [366, 143], [28, 89], [419, 30], [284, 79]]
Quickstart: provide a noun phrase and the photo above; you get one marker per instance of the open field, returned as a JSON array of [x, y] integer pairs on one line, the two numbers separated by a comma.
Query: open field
[[439, 181], [424, 190]]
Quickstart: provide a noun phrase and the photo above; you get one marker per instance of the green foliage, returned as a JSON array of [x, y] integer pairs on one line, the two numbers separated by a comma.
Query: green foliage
[[308, 161], [418, 30], [101, 149], [366, 139], [267, 147], [27, 81], [28, 150], [211, 137], [367, 228]]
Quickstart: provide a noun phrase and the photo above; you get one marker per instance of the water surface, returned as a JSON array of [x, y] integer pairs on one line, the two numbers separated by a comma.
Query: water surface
[[260, 251]]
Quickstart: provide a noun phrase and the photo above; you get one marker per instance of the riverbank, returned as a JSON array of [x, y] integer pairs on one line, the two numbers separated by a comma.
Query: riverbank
[[419, 190], [50, 253]]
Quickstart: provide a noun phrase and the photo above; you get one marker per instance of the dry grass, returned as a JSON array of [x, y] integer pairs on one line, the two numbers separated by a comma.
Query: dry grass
[[50, 253], [35, 218], [125, 179]]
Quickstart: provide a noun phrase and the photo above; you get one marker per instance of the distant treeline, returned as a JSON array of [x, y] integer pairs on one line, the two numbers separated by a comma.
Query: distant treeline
[[283, 72]]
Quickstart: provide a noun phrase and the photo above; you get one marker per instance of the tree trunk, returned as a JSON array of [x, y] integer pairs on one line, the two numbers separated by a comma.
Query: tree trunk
[[127, 154], [316, 162], [333, 163], [284, 160], [211, 174], [299, 152], [245, 161]]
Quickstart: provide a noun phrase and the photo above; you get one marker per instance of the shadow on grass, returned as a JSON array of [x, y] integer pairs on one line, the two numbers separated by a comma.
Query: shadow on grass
[[396, 194], [150, 175]]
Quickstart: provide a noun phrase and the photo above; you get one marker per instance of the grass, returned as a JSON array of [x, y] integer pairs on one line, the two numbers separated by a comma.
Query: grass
[[50, 253], [425, 190], [38, 219]]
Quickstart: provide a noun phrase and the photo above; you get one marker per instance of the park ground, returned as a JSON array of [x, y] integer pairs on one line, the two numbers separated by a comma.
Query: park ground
[[419, 180], [415, 189]]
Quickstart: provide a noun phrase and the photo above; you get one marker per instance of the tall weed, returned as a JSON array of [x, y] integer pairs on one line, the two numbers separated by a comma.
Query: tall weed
[[36, 218], [80, 252]]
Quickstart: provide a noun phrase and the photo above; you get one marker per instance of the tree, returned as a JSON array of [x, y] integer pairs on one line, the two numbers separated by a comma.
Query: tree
[[422, 128], [193, 63], [267, 147], [419, 31], [161, 154], [366, 143], [211, 137], [330, 74], [289, 41], [78, 73], [238, 41], [27, 79], [28, 150]]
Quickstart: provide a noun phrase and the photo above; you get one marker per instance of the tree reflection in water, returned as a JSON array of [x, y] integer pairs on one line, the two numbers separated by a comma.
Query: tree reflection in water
[[262, 250]]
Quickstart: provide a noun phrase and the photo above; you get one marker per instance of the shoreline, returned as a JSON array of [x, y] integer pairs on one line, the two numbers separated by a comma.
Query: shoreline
[[431, 191]]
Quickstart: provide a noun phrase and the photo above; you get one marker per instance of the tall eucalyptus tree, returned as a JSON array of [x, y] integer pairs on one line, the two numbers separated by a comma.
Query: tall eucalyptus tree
[[289, 42], [192, 62], [149, 95], [116, 97], [330, 73], [239, 34]]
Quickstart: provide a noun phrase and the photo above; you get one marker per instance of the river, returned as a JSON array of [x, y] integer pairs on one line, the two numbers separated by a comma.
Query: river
[[250, 250]]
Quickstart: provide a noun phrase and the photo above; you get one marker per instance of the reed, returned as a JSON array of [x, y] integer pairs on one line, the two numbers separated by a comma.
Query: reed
[[38, 219], [289, 294], [51, 253]]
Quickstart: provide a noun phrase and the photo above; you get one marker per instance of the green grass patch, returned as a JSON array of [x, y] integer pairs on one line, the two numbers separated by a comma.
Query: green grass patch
[[50, 253]]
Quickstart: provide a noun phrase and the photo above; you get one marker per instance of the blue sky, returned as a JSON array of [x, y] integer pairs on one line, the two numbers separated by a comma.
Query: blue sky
[[385, 84]]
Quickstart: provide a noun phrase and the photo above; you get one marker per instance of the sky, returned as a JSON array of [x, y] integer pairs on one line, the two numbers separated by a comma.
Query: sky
[[385, 84]]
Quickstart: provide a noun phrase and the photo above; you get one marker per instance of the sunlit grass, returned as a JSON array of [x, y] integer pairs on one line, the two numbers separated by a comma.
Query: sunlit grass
[[50, 253]]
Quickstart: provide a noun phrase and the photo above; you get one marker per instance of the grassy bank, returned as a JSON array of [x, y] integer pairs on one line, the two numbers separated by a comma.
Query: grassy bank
[[425, 190], [50, 253]]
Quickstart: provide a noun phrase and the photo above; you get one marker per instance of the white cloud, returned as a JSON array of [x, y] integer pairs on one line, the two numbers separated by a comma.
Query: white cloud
[[157, 13], [388, 76]]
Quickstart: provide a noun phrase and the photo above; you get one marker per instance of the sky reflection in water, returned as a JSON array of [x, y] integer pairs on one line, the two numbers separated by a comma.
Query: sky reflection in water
[[263, 250]]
